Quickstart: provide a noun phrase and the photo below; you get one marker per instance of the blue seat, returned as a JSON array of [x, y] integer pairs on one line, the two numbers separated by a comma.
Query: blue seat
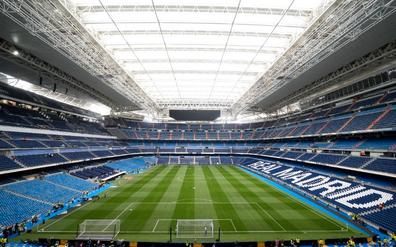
[[43, 190]]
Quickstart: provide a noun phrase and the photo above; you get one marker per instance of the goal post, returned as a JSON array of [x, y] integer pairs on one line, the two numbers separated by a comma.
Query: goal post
[[98, 229], [194, 228]]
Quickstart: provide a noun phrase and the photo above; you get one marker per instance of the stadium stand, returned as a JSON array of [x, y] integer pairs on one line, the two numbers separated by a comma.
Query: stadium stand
[[43, 191], [21, 200], [15, 208], [312, 137], [97, 172], [360, 198], [132, 165], [64, 179], [307, 103]]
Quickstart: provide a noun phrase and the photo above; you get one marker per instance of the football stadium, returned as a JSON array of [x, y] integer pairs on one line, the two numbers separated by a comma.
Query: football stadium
[[197, 123]]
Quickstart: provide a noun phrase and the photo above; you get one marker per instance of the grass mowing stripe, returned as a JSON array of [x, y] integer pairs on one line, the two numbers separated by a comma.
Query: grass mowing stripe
[[298, 205], [247, 193], [138, 181], [217, 194], [203, 210], [251, 212], [166, 206], [187, 194], [131, 187], [100, 209], [287, 212], [143, 212], [182, 188]]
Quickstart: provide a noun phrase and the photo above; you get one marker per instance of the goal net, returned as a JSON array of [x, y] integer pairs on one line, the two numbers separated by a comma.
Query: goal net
[[194, 228], [98, 229]]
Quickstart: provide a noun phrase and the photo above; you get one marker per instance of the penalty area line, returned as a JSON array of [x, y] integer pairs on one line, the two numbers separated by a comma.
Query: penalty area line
[[118, 216]]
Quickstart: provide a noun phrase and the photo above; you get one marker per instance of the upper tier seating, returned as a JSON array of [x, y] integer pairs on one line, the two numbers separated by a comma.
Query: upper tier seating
[[5, 145], [26, 144], [384, 165], [361, 121], [292, 155], [354, 161], [306, 156], [16, 116], [329, 120], [388, 121], [328, 158], [40, 159], [78, 155], [7, 164], [102, 153], [333, 125], [375, 144], [95, 172], [17, 93]]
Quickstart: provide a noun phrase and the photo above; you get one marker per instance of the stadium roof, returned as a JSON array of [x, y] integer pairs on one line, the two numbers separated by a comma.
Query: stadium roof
[[238, 56], [196, 54]]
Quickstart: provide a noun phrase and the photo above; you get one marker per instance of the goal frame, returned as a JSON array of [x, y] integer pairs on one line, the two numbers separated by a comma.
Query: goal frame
[[194, 228], [98, 229]]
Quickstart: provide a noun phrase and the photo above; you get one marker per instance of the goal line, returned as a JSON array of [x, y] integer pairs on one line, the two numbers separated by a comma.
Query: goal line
[[194, 228], [98, 229]]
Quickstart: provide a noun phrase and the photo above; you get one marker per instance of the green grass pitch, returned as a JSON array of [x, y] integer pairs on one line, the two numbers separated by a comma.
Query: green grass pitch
[[245, 208]]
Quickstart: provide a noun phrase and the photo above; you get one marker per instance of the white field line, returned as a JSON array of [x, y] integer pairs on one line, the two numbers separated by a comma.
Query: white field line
[[159, 220], [323, 216], [233, 225], [259, 231], [265, 211], [283, 229], [155, 226], [118, 216], [63, 217], [203, 202], [209, 202]]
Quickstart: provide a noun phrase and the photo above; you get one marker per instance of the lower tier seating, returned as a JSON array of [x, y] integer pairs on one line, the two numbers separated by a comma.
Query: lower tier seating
[[354, 197], [70, 181], [43, 190], [15, 208], [133, 164], [19, 201], [387, 217]]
